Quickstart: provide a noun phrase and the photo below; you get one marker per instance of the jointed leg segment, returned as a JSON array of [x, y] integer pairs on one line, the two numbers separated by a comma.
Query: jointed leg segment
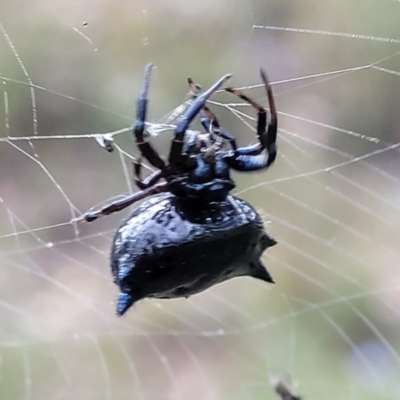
[[209, 120], [144, 146], [187, 118], [121, 204], [252, 158], [149, 180]]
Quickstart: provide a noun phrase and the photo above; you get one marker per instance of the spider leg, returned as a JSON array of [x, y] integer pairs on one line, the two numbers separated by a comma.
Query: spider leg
[[151, 180], [210, 124], [208, 118], [194, 87], [270, 140], [119, 205], [266, 138], [192, 145], [191, 112], [252, 158], [144, 146]]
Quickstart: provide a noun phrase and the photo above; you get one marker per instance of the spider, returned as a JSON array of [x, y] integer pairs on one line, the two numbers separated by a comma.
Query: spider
[[190, 233]]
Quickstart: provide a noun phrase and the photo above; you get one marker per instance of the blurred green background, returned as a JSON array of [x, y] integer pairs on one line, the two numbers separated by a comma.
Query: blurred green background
[[70, 70]]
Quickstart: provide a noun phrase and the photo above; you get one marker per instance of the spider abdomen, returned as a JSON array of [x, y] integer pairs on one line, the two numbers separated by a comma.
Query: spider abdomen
[[171, 248]]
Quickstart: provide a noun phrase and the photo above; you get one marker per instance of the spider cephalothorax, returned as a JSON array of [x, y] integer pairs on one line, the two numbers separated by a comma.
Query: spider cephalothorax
[[196, 235]]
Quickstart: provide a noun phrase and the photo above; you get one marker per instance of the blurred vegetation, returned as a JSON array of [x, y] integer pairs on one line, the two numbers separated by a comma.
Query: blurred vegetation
[[332, 319]]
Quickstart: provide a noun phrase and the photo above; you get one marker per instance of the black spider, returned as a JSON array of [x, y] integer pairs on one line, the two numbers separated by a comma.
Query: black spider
[[196, 235]]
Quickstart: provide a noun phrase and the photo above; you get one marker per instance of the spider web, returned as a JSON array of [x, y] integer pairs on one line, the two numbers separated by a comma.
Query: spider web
[[69, 75]]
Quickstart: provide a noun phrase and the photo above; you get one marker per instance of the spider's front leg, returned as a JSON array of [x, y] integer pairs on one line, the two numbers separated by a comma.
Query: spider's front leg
[[210, 124], [119, 205], [177, 143], [147, 182], [144, 146], [253, 158], [208, 118]]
